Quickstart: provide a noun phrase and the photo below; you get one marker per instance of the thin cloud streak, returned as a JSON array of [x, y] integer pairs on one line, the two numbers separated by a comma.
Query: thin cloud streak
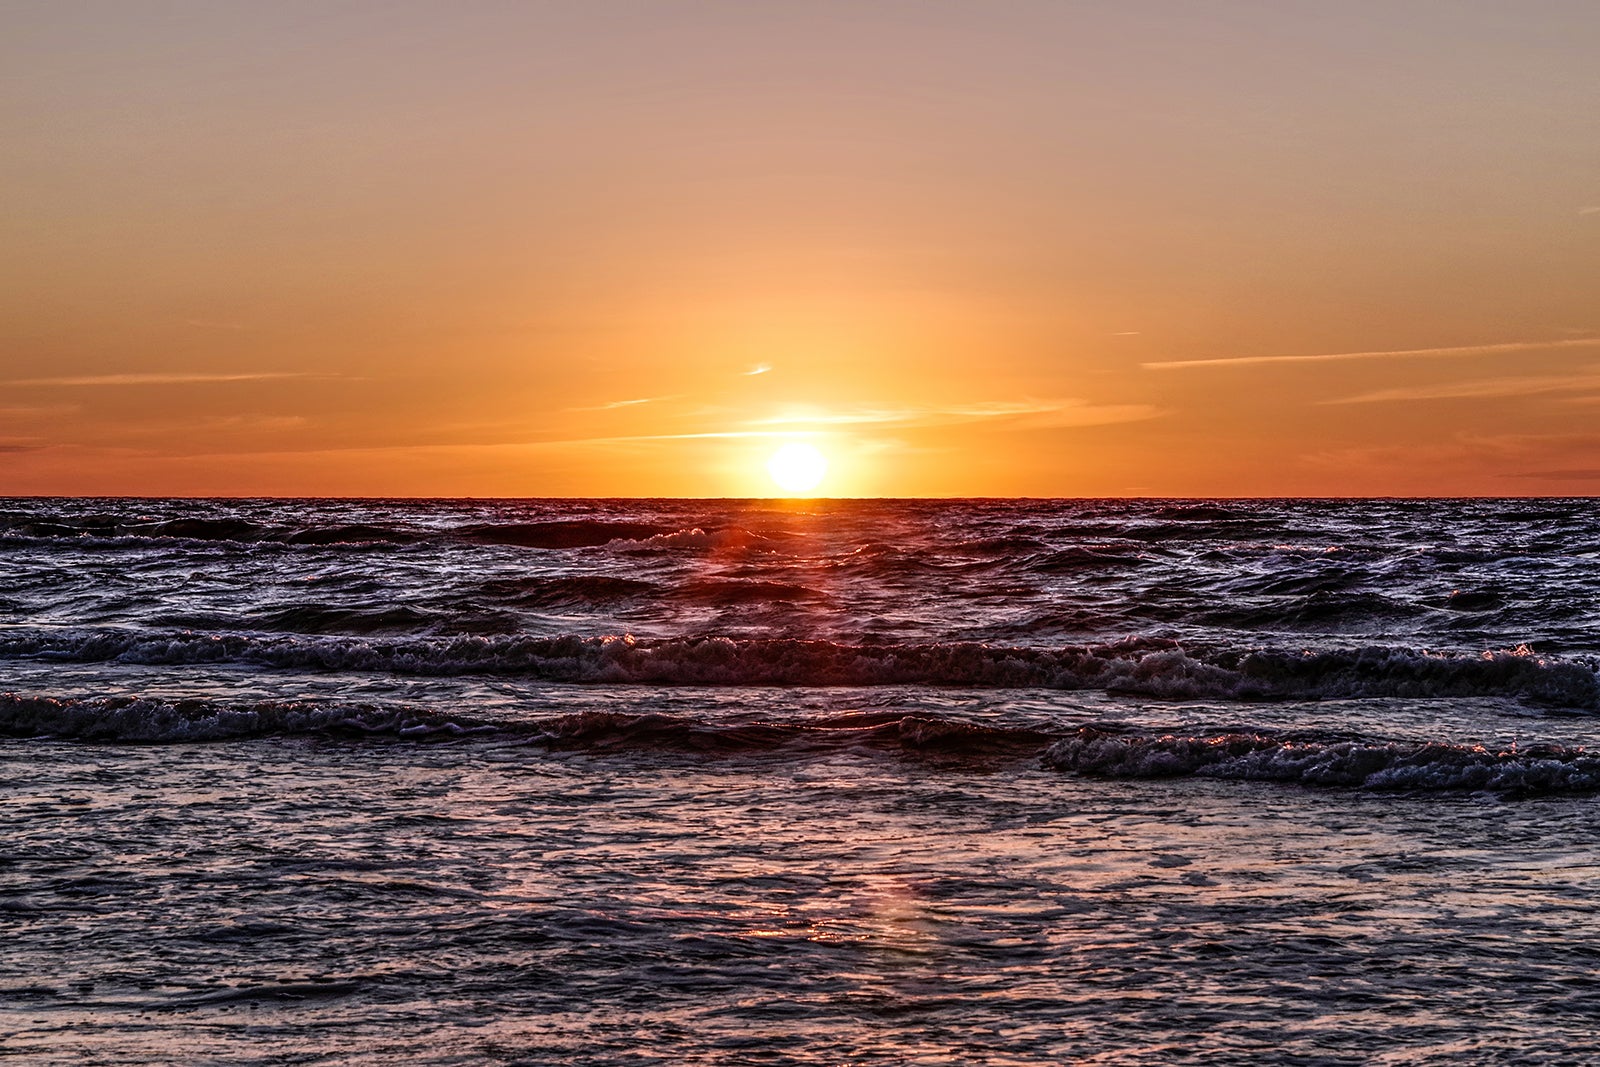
[[617, 404], [1576, 474], [1056, 414], [573, 442], [1483, 388], [1036, 412], [1400, 353], [96, 380], [38, 411]]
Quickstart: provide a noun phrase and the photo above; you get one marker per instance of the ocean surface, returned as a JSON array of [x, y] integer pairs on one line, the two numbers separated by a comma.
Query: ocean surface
[[891, 782]]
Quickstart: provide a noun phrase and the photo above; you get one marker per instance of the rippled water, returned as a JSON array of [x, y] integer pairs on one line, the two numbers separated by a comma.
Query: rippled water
[[860, 782]]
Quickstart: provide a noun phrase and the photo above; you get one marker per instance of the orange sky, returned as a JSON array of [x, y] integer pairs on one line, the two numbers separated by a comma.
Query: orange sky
[[1028, 247]]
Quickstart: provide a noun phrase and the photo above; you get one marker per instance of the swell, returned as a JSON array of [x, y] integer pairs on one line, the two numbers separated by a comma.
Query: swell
[[1148, 667], [553, 534], [128, 720], [1091, 751], [578, 590], [111, 532], [337, 619], [148, 720], [1369, 764], [560, 533]]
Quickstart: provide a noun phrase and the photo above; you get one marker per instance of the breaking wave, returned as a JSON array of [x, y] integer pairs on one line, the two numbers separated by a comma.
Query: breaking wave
[[1149, 667], [128, 720], [1093, 751], [1429, 766]]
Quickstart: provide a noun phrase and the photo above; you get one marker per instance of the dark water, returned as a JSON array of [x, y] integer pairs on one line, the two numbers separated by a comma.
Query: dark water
[[858, 782]]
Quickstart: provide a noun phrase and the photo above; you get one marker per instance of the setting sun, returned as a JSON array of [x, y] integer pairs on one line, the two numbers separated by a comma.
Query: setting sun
[[797, 467]]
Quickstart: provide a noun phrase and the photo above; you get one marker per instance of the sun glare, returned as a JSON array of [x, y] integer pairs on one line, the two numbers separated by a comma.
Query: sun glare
[[797, 467]]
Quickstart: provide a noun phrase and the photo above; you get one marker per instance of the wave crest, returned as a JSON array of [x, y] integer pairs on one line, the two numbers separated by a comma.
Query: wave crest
[[1139, 666], [1429, 765]]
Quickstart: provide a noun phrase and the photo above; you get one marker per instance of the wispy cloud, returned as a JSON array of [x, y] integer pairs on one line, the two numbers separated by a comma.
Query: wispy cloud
[[759, 368], [1571, 474], [94, 380], [1482, 388], [268, 423], [1398, 353], [640, 438], [618, 404], [820, 422], [1068, 412], [39, 411], [1593, 209]]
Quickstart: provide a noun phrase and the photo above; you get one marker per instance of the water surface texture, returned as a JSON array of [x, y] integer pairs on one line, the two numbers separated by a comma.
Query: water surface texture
[[957, 782]]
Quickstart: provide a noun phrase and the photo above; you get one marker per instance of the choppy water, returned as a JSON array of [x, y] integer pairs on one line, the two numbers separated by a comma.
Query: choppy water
[[857, 782]]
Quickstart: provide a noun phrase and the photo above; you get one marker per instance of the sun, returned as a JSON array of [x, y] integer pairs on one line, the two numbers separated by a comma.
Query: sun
[[797, 467]]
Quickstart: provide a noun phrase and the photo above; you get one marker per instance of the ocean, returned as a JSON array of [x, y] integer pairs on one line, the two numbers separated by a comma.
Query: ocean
[[834, 782]]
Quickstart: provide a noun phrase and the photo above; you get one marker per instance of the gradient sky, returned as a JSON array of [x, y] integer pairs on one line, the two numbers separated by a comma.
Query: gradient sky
[[1032, 247]]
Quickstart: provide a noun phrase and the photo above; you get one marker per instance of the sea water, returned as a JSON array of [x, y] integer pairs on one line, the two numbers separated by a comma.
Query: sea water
[[845, 782]]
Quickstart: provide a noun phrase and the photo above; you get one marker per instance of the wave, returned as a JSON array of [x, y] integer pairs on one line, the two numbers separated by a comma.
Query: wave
[[551, 534], [309, 619], [694, 538], [128, 720], [1092, 751], [727, 592], [1368, 764], [578, 590], [241, 530], [106, 532], [141, 720], [1149, 667], [560, 533], [592, 730], [1091, 557], [1322, 610], [1009, 545]]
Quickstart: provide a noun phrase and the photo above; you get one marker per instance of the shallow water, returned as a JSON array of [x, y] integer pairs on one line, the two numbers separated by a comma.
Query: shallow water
[[899, 782]]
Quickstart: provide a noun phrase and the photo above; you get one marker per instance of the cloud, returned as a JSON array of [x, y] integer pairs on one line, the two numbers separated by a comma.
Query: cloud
[[1593, 209], [1085, 414], [39, 411], [759, 368], [92, 380], [1484, 455], [268, 423], [1033, 413], [624, 439], [1483, 388], [6, 449], [1576, 474], [802, 423], [616, 404], [1399, 353]]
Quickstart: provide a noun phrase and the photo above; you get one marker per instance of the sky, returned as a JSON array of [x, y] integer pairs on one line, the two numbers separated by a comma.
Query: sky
[[1008, 248]]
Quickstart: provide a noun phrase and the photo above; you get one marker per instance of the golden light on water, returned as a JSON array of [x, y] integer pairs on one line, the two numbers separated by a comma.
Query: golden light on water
[[797, 467]]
